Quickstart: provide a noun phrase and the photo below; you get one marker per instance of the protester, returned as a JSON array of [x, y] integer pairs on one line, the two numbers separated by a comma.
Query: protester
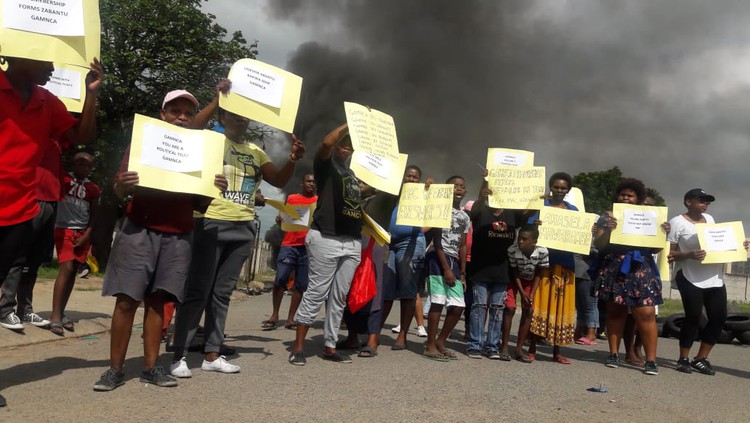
[[701, 285], [150, 256], [32, 121], [223, 238], [445, 264], [554, 301], [528, 262], [627, 277], [587, 312], [292, 260], [405, 265], [493, 231], [333, 245], [73, 226]]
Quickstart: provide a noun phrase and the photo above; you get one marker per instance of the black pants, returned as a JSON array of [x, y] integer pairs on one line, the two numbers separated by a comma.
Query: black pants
[[13, 244], [693, 300]]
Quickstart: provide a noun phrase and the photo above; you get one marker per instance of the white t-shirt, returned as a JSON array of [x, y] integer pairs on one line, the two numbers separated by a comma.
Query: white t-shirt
[[683, 234]]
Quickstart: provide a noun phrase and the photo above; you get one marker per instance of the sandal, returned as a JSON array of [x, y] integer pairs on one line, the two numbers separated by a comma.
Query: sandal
[[532, 356], [450, 355], [367, 352], [57, 328], [505, 357], [559, 359], [435, 355], [585, 341], [524, 359], [68, 324], [268, 325], [290, 326]]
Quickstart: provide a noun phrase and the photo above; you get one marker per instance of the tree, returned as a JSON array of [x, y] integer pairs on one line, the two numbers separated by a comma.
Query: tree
[[150, 47], [599, 188]]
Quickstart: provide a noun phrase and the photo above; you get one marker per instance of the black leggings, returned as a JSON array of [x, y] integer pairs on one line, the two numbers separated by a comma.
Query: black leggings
[[693, 300]]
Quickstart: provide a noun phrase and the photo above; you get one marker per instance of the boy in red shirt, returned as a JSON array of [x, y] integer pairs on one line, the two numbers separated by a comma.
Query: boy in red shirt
[[75, 217], [292, 258]]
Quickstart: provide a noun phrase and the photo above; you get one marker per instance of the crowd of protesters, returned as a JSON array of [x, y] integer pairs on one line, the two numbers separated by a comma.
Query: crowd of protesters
[[189, 249]]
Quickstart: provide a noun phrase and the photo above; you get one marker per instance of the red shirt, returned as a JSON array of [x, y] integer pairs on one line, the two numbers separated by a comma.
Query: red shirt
[[25, 133], [49, 174], [163, 211], [74, 211], [295, 239]]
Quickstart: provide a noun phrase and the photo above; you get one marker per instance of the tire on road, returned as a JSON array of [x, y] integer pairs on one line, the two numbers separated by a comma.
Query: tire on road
[[673, 325], [725, 337], [744, 337], [738, 322]]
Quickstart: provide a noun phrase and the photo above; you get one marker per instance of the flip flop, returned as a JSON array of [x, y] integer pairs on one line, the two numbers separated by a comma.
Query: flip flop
[[559, 359], [290, 326], [367, 352], [532, 356], [585, 341], [398, 347], [57, 328], [524, 359], [68, 325], [505, 357], [268, 325], [636, 363], [436, 355], [450, 355]]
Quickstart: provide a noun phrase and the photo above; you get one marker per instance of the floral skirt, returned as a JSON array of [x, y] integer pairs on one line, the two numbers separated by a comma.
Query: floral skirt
[[641, 286], [554, 315]]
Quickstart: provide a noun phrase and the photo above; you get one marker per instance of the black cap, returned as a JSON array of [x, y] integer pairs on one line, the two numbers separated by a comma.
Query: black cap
[[700, 194]]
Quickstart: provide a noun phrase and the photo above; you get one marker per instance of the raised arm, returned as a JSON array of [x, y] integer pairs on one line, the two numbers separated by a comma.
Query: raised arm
[[202, 118], [325, 149], [85, 131], [279, 177]]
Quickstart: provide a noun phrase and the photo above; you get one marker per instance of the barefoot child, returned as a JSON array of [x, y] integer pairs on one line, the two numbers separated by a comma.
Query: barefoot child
[[446, 270], [527, 260]]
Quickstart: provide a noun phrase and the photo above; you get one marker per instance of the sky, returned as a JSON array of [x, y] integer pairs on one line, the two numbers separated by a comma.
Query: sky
[[659, 88]]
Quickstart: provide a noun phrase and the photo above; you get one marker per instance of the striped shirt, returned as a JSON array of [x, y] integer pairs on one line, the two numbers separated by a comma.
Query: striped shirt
[[527, 266]]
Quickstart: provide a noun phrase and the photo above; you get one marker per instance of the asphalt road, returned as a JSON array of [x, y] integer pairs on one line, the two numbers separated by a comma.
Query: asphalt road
[[52, 381]]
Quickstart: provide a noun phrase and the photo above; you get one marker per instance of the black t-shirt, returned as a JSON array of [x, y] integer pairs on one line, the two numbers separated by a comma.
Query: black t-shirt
[[339, 212], [489, 243]]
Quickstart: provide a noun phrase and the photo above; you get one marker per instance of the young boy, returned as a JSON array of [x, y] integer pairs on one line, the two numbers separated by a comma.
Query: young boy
[[75, 217], [527, 261], [446, 274]]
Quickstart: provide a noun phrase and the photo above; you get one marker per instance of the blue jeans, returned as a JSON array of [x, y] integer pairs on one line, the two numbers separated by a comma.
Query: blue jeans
[[478, 340], [587, 310]]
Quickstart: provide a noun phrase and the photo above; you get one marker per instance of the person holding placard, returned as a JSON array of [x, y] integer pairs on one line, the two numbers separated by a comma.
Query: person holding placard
[[554, 301], [223, 237], [292, 258], [31, 119], [151, 256], [333, 245], [445, 265], [627, 277], [700, 285]]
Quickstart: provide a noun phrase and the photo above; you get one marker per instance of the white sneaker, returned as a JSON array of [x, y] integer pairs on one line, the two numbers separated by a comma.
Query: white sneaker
[[180, 369], [397, 329], [35, 319], [220, 365], [421, 332], [11, 321]]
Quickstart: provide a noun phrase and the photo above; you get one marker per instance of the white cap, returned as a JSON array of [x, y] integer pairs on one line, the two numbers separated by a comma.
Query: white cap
[[174, 95]]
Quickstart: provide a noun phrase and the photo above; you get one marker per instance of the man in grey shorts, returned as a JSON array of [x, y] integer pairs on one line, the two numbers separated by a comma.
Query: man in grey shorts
[[150, 256]]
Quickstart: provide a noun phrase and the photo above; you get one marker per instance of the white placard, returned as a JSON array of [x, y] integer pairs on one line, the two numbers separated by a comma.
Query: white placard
[[640, 222], [720, 239], [65, 83], [304, 216], [51, 17], [170, 150], [259, 84], [505, 158], [377, 165]]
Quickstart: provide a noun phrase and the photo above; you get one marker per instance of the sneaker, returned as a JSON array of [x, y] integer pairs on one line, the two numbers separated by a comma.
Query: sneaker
[[493, 355], [613, 361], [158, 376], [702, 365], [180, 368], [683, 365], [473, 354], [83, 272], [397, 329], [650, 368], [220, 365], [421, 332], [109, 380], [297, 358], [35, 319], [11, 321]]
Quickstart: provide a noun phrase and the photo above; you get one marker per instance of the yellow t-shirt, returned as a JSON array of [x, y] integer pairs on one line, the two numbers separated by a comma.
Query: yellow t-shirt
[[242, 163]]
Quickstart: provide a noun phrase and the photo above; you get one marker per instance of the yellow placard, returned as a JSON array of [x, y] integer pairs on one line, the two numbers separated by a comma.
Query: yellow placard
[[425, 208], [390, 183], [371, 228], [72, 50], [516, 187], [283, 117], [292, 224], [509, 157], [639, 226], [566, 230], [722, 242], [68, 83], [662, 262], [196, 182], [372, 132], [283, 208]]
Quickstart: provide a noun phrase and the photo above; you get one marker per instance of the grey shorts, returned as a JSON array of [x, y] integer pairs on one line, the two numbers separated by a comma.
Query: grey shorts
[[143, 261]]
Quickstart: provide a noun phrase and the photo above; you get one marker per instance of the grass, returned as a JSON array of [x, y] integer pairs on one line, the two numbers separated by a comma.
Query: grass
[[49, 271], [675, 306]]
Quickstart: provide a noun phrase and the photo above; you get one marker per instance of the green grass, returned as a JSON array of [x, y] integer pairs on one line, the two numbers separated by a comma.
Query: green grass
[[50, 271], [675, 306]]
